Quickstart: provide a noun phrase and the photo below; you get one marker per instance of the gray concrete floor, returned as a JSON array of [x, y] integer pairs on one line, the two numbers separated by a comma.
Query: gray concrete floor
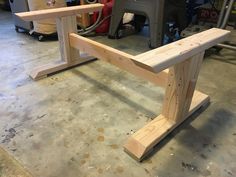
[[74, 123]]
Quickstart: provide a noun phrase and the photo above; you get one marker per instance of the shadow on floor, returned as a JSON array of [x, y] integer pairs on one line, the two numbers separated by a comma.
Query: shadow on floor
[[122, 79], [113, 93]]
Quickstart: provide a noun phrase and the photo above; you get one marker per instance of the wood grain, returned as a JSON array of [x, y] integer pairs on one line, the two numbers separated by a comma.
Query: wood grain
[[180, 88], [59, 12], [65, 26], [166, 56], [142, 142], [117, 58]]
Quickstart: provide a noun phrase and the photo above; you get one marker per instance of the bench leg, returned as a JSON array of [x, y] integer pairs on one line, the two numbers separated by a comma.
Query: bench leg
[[181, 100], [69, 56]]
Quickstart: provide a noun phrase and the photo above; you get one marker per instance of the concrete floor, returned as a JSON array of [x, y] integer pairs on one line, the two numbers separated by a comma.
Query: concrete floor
[[74, 123]]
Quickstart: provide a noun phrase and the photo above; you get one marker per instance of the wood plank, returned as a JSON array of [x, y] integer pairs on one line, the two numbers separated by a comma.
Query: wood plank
[[142, 142], [180, 88], [10, 167], [65, 26], [117, 58], [193, 77], [166, 56], [43, 71], [59, 12]]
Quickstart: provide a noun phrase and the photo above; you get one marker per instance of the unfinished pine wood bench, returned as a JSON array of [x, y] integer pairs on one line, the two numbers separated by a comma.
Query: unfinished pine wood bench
[[175, 66]]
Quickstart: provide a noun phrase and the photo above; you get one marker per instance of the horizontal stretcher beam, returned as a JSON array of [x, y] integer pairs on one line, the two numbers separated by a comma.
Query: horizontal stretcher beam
[[166, 56], [116, 57], [59, 12], [155, 60]]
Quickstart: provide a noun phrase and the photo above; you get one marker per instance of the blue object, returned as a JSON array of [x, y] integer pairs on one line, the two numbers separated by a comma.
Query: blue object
[[171, 33]]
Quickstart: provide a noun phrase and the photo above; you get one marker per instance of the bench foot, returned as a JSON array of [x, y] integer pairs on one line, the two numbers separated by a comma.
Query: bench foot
[[54, 67], [141, 143]]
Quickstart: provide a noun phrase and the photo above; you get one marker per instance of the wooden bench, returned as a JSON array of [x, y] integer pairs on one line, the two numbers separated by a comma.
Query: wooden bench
[[175, 66]]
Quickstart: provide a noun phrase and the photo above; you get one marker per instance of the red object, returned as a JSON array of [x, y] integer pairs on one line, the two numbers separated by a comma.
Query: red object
[[106, 11], [208, 15]]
